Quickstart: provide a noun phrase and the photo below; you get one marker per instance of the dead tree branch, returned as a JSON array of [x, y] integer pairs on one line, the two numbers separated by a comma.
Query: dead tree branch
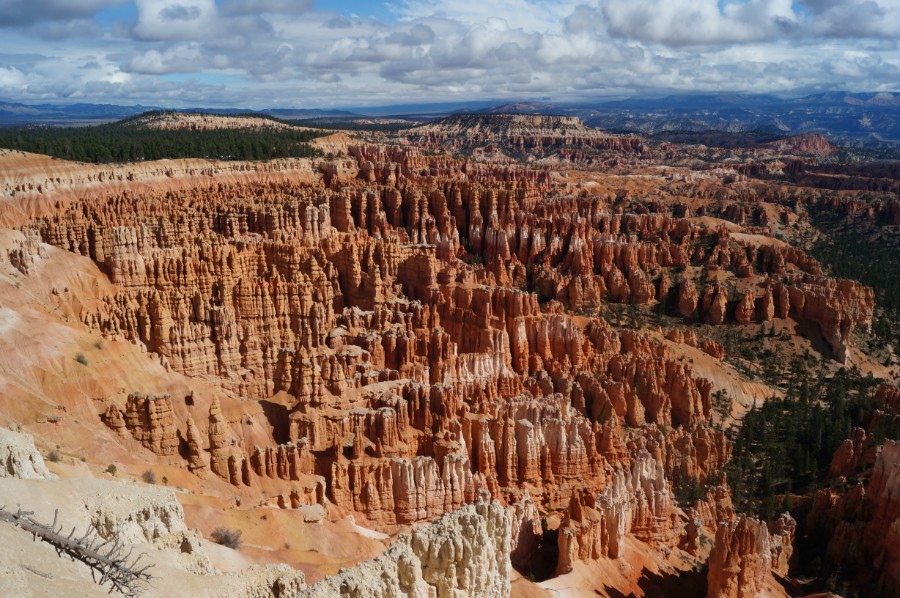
[[107, 559]]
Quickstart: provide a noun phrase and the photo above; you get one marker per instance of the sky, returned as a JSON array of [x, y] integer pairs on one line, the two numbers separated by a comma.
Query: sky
[[331, 54]]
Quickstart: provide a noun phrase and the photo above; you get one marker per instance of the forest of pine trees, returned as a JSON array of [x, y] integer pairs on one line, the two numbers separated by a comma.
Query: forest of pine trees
[[786, 445], [122, 142]]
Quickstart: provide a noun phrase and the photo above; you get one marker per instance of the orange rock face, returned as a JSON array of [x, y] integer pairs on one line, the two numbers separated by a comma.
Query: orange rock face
[[836, 306], [151, 421]]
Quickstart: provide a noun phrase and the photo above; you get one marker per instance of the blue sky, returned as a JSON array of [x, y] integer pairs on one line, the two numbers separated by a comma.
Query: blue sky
[[316, 53], [348, 8]]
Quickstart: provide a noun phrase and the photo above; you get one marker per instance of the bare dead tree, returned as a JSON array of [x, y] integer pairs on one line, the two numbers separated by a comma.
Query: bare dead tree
[[107, 559]]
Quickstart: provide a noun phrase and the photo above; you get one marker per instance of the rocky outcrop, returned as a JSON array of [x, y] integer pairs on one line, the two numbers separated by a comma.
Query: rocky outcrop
[[115, 419], [136, 517], [746, 309], [837, 306], [25, 251], [636, 501], [19, 458], [526, 532], [740, 559], [813, 144], [263, 581], [715, 304], [888, 395], [746, 550], [859, 526], [226, 459], [852, 454], [687, 299], [198, 460], [151, 421], [882, 534], [781, 542], [703, 517], [464, 553]]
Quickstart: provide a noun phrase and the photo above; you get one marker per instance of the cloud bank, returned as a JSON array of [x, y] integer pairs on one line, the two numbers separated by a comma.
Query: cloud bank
[[266, 53]]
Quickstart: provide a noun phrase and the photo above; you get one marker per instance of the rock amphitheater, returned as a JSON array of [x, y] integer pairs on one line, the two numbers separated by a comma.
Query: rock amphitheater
[[403, 372]]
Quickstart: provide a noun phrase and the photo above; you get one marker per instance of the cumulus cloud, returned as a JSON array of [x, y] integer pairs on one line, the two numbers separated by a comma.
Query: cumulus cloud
[[175, 19], [697, 22], [257, 53], [855, 18], [11, 78], [183, 58]]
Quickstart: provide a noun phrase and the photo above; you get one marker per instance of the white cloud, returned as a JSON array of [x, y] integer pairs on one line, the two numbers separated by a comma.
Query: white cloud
[[175, 19], [698, 22], [856, 18], [183, 58], [11, 78], [273, 52], [529, 15]]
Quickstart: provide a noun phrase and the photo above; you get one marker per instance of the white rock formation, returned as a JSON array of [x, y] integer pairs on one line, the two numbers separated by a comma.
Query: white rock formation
[[464, 553], [19, 458], [136, 517]]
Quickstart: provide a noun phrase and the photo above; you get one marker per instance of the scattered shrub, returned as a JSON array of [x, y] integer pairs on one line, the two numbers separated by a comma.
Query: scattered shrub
[[98, 345], [80, 358], [149, 476], [227, 537], [111, 469], [53, 456]]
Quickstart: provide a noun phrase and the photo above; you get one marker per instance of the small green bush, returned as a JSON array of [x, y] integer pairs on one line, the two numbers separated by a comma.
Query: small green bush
[[111, 469], [80, 358]]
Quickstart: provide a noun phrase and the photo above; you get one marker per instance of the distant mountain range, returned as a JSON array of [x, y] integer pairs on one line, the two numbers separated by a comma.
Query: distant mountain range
[[850, 119], [16, 114], [869, 120]]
